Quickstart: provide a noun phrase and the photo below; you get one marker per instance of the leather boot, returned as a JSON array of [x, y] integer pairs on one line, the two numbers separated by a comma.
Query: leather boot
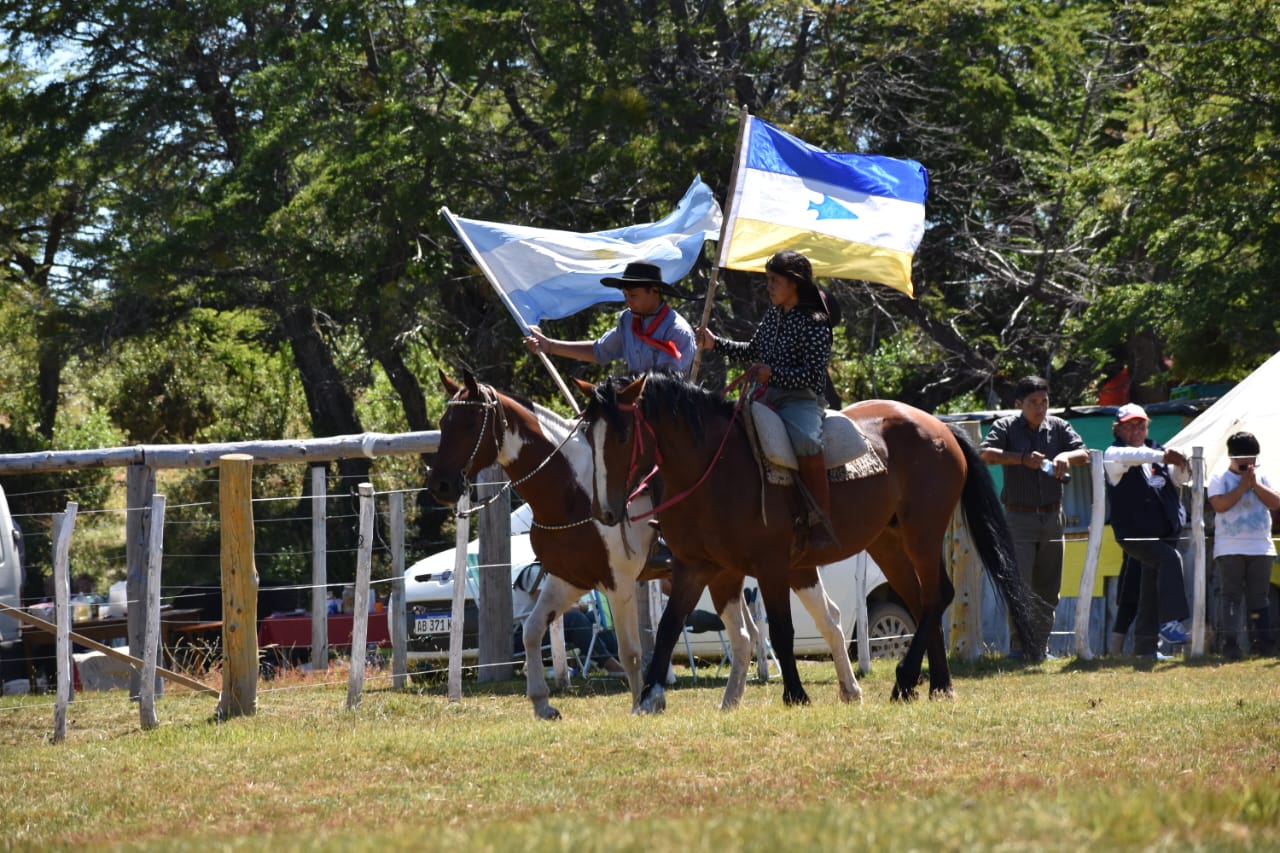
[[1115, 644], [1260, 636], [813, 474]]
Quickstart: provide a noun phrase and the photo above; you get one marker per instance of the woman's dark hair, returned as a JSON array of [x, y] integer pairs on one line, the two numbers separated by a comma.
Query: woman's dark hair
[[796, 267]]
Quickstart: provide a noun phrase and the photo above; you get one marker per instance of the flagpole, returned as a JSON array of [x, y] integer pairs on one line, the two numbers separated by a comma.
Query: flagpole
[[721, 249], [515, 312]]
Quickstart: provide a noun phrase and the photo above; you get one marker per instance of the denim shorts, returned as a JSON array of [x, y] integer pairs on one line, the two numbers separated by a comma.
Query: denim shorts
[[801, 413]]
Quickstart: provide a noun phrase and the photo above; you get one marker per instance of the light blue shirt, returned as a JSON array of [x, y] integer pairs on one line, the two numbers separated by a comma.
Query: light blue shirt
[[621, 343]]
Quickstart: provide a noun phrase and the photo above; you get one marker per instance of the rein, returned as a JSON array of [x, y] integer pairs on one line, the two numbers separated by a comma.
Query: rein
[[637, 447], [490, 402]]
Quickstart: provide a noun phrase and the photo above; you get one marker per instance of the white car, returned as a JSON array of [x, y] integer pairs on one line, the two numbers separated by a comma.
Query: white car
[[429, 603], [428, 594], [891, 624], [10, 571]]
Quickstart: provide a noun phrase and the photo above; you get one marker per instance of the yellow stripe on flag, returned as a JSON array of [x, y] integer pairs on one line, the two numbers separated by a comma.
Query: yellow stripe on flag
[[753, 242]]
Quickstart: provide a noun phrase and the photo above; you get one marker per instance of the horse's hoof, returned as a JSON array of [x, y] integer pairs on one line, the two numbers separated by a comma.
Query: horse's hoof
[[903, 694], [947, 692], [550, 712], [851, 696], [800, 698], [652, 701]]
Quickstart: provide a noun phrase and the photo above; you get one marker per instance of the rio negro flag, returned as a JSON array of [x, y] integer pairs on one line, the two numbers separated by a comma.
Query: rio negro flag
[[546, 274], [853, 215]]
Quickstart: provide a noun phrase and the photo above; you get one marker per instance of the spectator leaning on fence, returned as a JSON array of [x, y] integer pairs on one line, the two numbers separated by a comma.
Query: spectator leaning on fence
[[1147, 517], [1243, 497], [1029, 443]]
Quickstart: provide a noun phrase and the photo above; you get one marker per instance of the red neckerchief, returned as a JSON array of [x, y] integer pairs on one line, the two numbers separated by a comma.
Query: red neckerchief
[[646, 335]]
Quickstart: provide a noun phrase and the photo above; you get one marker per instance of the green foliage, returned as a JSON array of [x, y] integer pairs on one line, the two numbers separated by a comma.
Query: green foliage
[[209, 378], [1190, 212], [241, 200]]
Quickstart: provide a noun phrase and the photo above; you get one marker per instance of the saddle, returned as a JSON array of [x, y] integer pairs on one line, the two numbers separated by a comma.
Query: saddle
[[847, 453]]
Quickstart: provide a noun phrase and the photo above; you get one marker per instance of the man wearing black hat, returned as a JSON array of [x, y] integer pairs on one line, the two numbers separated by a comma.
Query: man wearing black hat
[[650, 335]]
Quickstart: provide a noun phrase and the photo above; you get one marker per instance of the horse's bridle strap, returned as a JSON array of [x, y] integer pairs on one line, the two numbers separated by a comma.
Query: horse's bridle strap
[[490, 402], [672, 501]]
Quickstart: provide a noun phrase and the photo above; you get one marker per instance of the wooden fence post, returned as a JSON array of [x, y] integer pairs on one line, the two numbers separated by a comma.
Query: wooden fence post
[[1093, 550], [239, 588], [965, 613], [319, 570], [360, 620], [861, 614], [458, 611], [494, 598], [63, 524], [397, 621], [151, 645], [140, 487], [1199, 569]]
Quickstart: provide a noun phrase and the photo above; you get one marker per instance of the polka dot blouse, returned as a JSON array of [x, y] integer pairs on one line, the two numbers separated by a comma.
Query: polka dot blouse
[[796, 346]]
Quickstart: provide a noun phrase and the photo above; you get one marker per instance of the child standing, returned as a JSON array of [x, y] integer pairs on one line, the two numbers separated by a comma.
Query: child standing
[[1242, 496]]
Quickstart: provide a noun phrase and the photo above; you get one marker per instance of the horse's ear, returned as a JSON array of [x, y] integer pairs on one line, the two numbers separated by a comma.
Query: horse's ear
[[450, 387], [588, 390], [469, 378], [631, 393]]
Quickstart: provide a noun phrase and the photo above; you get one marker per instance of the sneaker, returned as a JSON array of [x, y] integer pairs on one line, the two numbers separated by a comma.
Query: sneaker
[[1159, 655], [1172, 633]]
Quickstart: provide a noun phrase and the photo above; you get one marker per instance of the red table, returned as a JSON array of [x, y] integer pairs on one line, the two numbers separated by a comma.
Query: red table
[[296, 630]]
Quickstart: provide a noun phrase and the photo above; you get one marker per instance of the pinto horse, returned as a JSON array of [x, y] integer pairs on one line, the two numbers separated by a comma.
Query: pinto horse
[[715, 498], [549, 463]]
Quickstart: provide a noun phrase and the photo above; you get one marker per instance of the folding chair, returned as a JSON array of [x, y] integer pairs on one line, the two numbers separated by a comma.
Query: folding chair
[[603, 622], [704, 622]]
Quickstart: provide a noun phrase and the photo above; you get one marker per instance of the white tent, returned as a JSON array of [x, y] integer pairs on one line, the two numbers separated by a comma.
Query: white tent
[[1252, 406]]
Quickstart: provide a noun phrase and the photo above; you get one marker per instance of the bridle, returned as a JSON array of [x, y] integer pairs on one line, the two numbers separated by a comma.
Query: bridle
[[488, 403], [637, 448]]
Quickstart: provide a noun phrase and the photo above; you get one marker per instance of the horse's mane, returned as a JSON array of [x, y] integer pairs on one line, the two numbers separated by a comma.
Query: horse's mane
[[547, 417], [665, 394]]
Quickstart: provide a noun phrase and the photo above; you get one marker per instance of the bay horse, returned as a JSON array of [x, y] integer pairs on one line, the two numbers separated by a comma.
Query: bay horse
[[549, 463], [712, 517]]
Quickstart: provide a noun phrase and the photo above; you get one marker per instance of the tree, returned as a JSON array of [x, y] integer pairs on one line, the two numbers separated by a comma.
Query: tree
[[1185, 203]]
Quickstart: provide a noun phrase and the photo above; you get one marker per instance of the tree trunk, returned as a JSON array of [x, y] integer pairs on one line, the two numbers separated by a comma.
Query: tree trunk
[[48, 384], [332, 409]]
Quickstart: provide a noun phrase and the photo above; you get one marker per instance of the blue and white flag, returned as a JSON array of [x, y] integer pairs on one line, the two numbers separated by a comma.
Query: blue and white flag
[[853, 215], [547, 274]]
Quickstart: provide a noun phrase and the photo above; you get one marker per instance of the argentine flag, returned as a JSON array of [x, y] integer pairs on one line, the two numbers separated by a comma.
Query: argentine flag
[[852, 215], [547, 274]]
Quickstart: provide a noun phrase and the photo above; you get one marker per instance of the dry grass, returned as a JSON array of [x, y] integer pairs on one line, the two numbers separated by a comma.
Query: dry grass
[[1062, 756]]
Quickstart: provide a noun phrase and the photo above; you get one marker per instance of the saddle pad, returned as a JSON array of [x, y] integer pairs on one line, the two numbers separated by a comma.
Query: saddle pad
[[842, 441]]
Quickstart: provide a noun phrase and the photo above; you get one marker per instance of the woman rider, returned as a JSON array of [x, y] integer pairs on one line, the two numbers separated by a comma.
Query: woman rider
[[789, 353]]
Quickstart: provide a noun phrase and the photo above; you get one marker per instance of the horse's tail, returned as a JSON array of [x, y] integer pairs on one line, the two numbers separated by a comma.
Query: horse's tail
[[990, 531]]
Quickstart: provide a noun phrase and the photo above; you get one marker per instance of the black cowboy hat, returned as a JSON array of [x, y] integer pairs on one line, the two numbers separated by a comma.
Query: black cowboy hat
[[640, 274]]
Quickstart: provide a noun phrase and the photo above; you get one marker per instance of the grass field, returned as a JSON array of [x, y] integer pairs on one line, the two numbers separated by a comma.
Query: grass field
[[1061, 756]]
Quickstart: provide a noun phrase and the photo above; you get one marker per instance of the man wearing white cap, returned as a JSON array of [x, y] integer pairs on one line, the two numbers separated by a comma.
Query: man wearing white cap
[[1147, 516]]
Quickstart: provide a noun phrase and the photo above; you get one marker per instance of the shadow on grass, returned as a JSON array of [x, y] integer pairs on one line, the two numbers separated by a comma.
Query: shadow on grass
[[990, 665]]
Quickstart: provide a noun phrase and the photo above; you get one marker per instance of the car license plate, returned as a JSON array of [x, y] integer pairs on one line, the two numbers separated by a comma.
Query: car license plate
[[433, 623]]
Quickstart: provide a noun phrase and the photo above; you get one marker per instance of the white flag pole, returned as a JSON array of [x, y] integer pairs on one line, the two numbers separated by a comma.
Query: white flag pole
[[722, 249], [515, 312]]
